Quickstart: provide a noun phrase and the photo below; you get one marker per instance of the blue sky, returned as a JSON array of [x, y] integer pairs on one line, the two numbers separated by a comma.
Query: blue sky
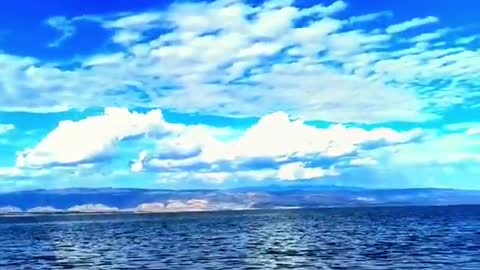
[[381, 94]]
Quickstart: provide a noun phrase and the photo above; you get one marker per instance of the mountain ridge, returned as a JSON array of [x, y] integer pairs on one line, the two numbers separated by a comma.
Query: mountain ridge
[[90, 199]]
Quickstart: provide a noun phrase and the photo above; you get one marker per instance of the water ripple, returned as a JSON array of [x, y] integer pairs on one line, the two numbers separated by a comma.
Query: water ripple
[[356, 238]]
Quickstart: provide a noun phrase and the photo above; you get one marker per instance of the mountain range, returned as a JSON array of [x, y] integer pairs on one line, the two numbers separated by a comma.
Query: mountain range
[[279, 196]]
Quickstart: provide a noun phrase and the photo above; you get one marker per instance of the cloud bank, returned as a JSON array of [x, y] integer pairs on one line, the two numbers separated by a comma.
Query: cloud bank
[[230, 93], [231, 58]]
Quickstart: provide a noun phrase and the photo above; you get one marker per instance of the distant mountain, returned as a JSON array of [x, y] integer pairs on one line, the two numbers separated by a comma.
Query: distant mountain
[[278, 196]]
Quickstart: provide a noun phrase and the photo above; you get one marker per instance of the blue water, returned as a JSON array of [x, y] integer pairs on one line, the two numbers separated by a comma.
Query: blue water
[[349, 238]]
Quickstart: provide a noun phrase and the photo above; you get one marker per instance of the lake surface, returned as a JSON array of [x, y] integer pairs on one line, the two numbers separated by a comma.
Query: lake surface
[[347, 238]]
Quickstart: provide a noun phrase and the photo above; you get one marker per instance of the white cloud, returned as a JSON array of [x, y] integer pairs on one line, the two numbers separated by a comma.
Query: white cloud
[[22, 173], [9, 209], [44, 209], [276, 148], [93, 138], [134, 21], [416, 22], [473, 131], [137, 165], [439, 160], [427, 36], [150, 207], [437, 149], [175, 206], [322, 10], [10, 172], [91, 208], [272, 23], [126, 37], [469, 128], [364, 161], [369, 17], [130, 28], [297, 171], [62, 25], [109, 59], [230, 58], [466, 40], [427, 67], [4, 128]]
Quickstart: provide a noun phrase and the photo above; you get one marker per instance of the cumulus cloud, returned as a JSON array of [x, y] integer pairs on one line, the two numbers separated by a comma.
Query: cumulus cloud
[[91, 208], [93, 138], [277, 147]]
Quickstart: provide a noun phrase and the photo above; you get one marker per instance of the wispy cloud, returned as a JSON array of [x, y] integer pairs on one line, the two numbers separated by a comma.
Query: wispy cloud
[[466, 40], [62, 25], [200, 61], [416, 22], [370, 17], [426, 37]]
